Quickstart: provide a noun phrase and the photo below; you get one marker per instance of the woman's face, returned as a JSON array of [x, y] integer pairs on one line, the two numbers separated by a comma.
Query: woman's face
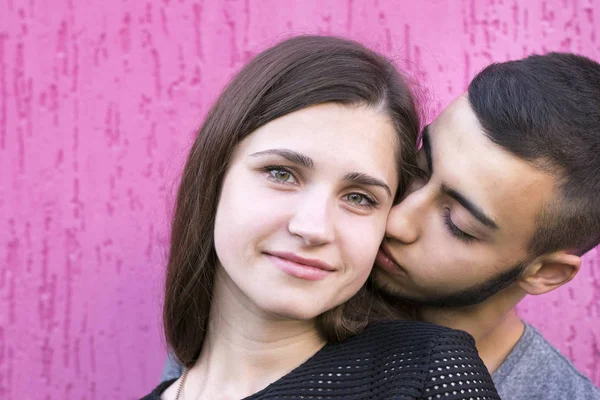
[[303, 209]]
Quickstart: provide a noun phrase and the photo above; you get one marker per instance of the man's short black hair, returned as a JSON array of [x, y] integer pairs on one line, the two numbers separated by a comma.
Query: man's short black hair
[[545, 109]]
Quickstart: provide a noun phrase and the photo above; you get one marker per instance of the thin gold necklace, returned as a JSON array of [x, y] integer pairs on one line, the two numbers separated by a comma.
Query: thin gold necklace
[[183, 376]]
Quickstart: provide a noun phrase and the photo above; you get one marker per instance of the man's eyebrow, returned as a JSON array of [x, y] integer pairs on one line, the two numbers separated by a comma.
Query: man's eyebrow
[[476, 211], [427, 148], [364, 179], [290, 155]]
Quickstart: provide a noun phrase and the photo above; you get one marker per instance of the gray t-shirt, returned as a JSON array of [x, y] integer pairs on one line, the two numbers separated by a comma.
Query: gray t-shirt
[[172, 369], [534, 370]]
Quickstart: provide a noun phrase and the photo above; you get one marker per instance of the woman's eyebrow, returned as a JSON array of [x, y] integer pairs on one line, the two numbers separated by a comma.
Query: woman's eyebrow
[[364, 179], [290, 155]]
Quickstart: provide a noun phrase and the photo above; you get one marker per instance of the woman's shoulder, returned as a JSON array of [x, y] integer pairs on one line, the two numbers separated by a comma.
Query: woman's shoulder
[[424, 343], [408, 342], [407, 358], [421, 327], [390, 333], [447, 358]]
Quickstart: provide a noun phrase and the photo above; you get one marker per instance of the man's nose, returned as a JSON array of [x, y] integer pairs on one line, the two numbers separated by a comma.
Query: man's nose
[[405, 218]]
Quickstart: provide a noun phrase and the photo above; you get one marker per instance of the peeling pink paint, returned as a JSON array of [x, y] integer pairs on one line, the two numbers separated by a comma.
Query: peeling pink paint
[[98, 104]]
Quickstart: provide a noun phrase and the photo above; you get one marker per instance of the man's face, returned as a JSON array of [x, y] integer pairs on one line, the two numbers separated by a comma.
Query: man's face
[[461, 234]]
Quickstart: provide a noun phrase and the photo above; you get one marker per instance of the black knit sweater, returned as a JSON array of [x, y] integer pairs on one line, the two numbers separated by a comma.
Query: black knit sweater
[[390, 360]]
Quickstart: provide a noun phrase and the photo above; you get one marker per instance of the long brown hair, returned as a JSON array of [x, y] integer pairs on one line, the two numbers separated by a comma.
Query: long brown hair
[[294, 74]]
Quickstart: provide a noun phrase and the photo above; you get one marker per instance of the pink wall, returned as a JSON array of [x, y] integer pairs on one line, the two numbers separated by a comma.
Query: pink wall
[[98, 104]]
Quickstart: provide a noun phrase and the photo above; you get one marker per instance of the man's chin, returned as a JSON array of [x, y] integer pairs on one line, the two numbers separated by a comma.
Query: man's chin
[[391, 285], [388, 283]]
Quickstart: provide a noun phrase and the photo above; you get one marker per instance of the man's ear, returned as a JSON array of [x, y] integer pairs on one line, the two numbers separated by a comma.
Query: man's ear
[[549, 271]]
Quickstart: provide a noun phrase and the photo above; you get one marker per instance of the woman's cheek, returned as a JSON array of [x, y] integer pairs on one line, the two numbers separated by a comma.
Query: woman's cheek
[[366, 241]]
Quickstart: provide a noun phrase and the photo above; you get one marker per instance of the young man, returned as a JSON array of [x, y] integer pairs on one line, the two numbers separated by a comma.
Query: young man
[[508, 202]]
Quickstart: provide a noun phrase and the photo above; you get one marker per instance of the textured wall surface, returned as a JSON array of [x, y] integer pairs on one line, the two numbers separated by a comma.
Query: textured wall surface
[[99, 101]]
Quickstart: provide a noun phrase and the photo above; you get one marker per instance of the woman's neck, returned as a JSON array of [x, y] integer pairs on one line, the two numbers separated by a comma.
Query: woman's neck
[[245, 348]]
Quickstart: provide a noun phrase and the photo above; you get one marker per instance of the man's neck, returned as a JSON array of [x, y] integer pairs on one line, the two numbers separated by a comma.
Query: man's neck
[[494, 324]]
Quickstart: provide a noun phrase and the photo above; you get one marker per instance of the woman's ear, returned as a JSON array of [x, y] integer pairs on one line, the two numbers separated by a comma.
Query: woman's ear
[[549, 272]]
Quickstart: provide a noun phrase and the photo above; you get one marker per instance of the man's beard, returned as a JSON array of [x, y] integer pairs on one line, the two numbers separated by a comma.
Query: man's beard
[[465, 297]]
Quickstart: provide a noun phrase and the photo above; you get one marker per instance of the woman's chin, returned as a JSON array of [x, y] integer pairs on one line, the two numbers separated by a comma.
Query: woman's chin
[[290, 311]]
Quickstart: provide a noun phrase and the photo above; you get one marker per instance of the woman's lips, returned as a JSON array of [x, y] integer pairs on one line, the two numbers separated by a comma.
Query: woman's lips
[[300, 267]]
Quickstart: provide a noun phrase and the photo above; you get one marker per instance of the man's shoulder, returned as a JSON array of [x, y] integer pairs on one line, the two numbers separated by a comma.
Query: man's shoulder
[[535, 369]]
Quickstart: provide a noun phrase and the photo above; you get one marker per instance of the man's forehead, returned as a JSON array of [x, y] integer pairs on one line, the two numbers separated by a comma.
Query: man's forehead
[[458, 115], [465, 159]]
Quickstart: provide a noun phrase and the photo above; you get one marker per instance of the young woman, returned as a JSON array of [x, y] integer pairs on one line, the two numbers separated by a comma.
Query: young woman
[[280, 213]]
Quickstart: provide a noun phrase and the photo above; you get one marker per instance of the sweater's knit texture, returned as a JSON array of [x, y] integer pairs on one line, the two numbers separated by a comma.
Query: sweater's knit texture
[[390, 360]]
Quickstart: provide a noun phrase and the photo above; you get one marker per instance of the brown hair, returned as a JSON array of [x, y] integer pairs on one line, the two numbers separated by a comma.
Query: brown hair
[[295, 74]]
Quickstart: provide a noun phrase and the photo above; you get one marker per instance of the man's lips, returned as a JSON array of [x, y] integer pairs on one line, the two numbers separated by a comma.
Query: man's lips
[[305, 268], [385, 261]]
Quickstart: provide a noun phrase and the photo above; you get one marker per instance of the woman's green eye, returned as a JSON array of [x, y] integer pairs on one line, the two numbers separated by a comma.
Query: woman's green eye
[[355, 198], [281, 175], [360, 200]]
